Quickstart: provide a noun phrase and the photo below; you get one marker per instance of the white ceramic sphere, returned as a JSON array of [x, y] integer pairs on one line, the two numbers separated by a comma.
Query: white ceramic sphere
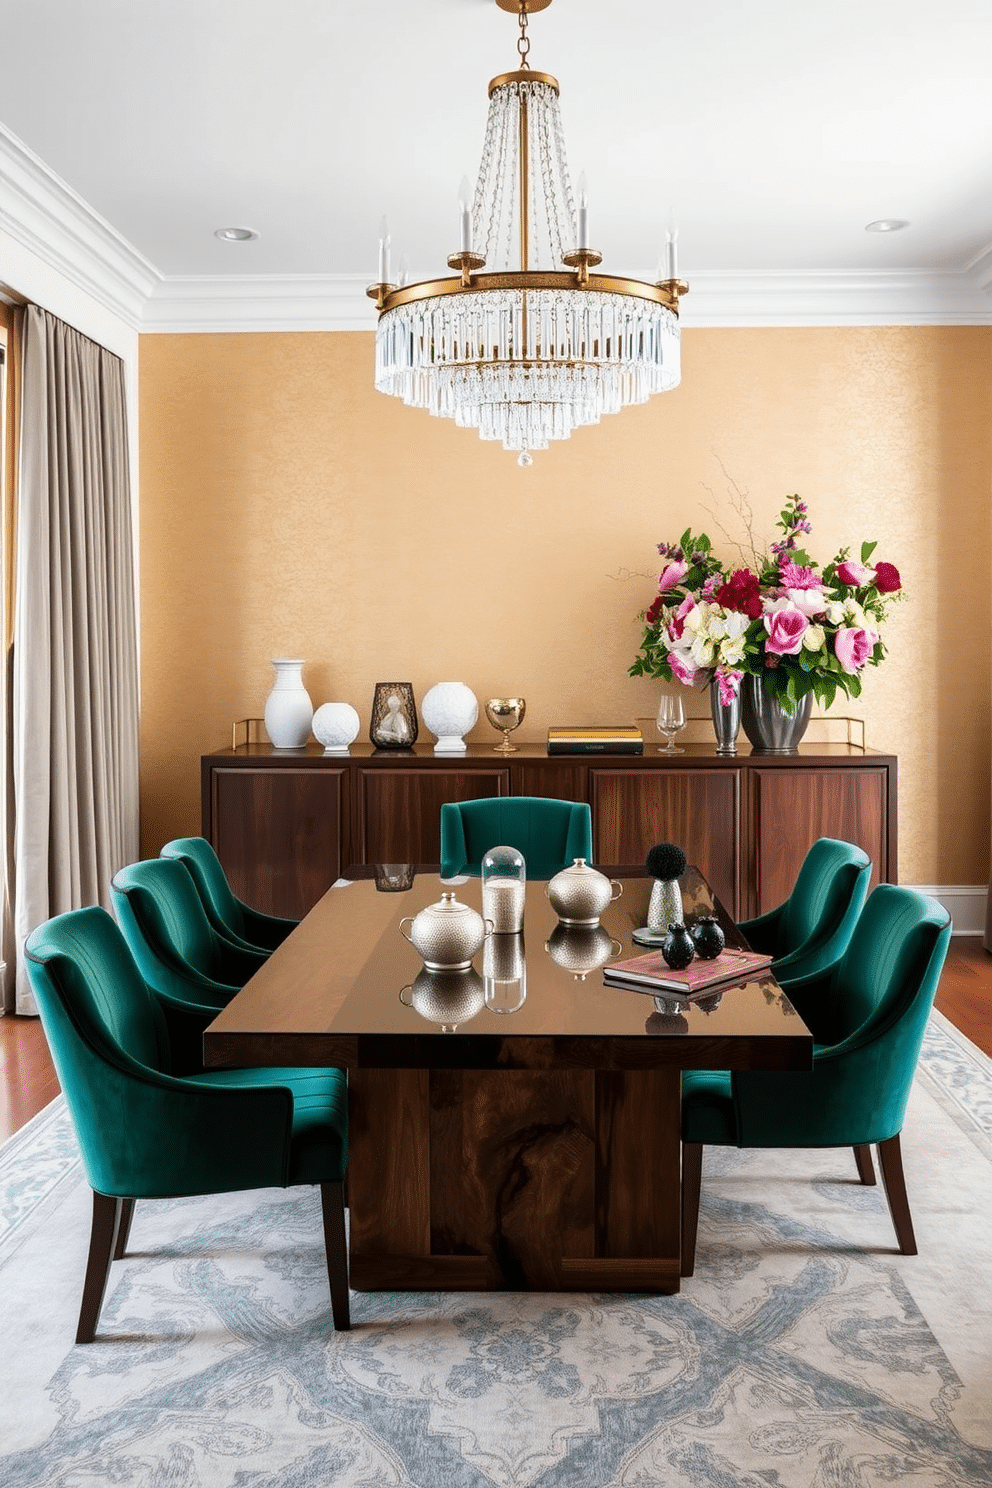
[[336, 725], [449, 710]]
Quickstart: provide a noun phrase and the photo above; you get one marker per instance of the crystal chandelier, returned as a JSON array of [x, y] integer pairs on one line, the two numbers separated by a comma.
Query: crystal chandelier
[[537, 345]]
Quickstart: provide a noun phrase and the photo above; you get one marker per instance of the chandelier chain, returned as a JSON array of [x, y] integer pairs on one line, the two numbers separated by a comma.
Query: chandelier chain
[[523, 40]]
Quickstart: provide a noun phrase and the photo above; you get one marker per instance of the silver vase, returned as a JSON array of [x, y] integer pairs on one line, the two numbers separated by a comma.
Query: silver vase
[[726, 720], [769, 727], [665, 906]]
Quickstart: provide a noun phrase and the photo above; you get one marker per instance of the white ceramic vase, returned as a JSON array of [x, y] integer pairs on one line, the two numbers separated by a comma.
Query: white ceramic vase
[[288, 709], [336, 725], [449, 710]]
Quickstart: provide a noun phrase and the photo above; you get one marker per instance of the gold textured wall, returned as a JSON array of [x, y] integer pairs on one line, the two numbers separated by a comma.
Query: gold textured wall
[[287, 509]]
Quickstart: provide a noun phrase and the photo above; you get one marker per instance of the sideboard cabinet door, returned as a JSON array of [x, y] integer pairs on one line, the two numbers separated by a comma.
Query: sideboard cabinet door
[[278, 834], [698, 809], [792, 808], [399, 809]]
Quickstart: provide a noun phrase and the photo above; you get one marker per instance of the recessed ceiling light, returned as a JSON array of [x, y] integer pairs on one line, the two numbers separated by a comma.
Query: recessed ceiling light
[[887, 224], [235, 234]]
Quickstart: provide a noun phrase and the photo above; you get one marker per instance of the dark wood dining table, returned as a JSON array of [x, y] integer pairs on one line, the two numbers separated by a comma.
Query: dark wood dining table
[[506, 1131]]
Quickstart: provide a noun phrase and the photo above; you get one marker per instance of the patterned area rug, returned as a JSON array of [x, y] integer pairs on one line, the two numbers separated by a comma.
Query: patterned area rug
[[805, 1352]]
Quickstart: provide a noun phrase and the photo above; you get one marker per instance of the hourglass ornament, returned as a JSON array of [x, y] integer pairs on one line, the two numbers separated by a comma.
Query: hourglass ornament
[[506, 714]]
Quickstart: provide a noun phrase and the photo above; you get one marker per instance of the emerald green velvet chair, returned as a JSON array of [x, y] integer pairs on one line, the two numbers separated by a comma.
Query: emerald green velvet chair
[[187, 963], [144, 1133], [867, 1019], [550, 834], [229, 915], [808, 934]]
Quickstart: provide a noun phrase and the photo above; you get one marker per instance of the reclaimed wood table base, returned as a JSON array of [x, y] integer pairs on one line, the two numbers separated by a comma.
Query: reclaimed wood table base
[[532, 1149], [519, 1179]]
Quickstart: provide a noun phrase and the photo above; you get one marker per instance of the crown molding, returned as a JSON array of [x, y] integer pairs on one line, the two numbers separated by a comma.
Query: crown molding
[[901, 297], [44, 215], [259, 302], [980, 268], [338, 303]]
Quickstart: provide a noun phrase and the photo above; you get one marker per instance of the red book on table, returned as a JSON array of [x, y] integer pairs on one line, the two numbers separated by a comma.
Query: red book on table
[[651, 972]]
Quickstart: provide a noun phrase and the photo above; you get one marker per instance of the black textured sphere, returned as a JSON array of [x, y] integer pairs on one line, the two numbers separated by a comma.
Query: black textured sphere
[[677, 947], [666, 861]]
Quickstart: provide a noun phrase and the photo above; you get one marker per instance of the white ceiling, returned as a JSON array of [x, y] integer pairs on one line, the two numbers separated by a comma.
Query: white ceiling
[[776, 130]]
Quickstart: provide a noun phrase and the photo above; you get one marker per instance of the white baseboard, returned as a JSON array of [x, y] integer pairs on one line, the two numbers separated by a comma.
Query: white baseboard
[[965, 903]]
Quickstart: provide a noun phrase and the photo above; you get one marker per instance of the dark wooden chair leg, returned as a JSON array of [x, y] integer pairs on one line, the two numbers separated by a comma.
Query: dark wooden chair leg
[[103, 1239], [894, 1182], [336, 1248], [866, 1168], [124, 1228], [692, 1173]]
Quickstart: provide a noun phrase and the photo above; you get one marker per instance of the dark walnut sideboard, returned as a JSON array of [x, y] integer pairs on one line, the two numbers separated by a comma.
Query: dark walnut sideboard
[[286, 823]]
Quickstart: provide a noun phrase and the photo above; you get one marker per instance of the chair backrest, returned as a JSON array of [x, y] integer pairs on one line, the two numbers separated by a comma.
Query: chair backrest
[[202, 863], [549, 833], [868, 1022], [888, 974], [827, 897], [102, 1024], [163, 918], [142, 1133]]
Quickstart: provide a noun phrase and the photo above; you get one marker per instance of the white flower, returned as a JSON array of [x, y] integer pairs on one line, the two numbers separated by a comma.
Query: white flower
[[703, 651], [814, 637], [809, 601], [835, 612], [732, 651], [855, 615], [698, 619]]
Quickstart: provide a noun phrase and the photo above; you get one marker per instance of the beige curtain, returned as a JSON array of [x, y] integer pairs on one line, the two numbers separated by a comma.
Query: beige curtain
[[75, 675]]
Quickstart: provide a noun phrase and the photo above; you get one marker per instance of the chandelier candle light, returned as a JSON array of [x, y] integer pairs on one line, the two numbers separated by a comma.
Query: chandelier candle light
[[532, 349]]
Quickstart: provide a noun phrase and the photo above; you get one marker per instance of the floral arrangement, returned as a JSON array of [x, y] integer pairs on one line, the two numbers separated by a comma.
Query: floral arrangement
[[781, 618]]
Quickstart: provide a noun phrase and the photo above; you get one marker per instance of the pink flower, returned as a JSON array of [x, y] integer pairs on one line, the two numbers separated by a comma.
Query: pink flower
[[728, 681], [795, 576], [672, 574], [887, 580], [785, 632], [677, 623], [713, 583], [854, 647], [854, 574], [683, 667]]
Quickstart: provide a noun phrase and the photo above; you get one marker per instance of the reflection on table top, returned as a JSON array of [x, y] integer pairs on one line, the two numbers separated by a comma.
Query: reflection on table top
[[348, 988]]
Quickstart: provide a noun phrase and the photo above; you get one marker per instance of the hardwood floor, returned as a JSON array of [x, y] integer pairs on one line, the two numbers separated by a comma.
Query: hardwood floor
[[27, 1076], [965, 992], [28, 1080]]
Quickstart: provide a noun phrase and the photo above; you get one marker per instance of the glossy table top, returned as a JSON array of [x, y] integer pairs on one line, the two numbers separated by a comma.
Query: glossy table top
[[340, 989]]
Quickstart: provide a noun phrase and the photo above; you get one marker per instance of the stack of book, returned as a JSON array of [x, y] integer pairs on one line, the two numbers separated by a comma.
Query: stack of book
[[651, 972], [620, 738]]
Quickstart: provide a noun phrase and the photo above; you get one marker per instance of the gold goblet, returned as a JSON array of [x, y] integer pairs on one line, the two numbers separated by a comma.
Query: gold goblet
[[505, 714]]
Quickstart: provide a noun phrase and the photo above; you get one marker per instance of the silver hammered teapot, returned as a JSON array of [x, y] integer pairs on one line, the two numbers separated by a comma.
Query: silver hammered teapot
[[447, 934], [580, 894]]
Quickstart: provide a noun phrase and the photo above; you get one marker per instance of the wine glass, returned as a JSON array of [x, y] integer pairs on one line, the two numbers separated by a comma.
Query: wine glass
[[506, 714], [671, 721]]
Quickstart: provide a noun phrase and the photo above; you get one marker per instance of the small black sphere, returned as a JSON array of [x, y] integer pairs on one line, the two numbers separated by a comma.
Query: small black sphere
[[666, 861]]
